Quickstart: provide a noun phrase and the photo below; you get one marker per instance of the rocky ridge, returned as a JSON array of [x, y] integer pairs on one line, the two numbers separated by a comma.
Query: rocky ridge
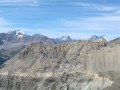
[[68, 62]]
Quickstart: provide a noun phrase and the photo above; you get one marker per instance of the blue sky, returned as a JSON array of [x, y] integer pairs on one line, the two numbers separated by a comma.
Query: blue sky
[[79, 19]]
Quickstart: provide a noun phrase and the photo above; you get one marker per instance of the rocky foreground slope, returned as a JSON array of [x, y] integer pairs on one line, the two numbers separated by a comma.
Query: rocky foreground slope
[[66, 66]]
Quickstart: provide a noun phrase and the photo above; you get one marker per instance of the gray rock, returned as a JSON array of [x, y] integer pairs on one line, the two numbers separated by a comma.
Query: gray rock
[[66, 66]]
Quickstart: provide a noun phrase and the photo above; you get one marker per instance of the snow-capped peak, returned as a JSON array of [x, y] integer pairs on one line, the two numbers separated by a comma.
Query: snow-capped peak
[[18, 33], [103, 37], [65, 38]]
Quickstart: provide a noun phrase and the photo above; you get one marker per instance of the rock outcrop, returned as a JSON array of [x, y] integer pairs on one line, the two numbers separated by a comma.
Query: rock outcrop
[[52, 81]]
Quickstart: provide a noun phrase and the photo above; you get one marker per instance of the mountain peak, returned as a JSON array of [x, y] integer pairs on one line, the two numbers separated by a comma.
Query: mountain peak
[[103, 37], [63, 39], [66, 38], [18, 33]]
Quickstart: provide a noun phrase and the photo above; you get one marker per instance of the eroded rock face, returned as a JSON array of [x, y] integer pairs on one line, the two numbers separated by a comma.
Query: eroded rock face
[[53, 81], [79, 55], [48, 63]]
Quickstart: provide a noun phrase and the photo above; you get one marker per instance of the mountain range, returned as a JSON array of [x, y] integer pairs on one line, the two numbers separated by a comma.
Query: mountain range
[[18, 38], [14, 41]]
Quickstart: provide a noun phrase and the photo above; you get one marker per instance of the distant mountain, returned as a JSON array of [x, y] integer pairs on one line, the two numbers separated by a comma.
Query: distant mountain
[[38, 35], [17, 37], [17, 33], [66, 38], [63, 39], [95, 37]]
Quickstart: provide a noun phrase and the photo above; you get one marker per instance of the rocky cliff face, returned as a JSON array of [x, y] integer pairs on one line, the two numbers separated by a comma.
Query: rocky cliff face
[[94, 56], [53, 81], [65, 66]]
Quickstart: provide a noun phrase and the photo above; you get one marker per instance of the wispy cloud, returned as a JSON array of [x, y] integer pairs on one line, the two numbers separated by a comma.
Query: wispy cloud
[[77, 28], [99, 24], [82, 4], [106, 18], [14, 1], [106, 8], [117, 12], [19, 2], [99, 7], [8, 25], [3, 22]]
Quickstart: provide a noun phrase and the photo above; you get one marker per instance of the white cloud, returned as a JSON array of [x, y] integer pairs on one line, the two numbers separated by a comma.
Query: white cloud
[[89, 26], [56, 34], [3, 22], [86, 24], [19, 2], [98, 24], [106, 8], [10, 1], [98, 7], [117, 12], [82, 4], [4, 30], [106, 18]]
